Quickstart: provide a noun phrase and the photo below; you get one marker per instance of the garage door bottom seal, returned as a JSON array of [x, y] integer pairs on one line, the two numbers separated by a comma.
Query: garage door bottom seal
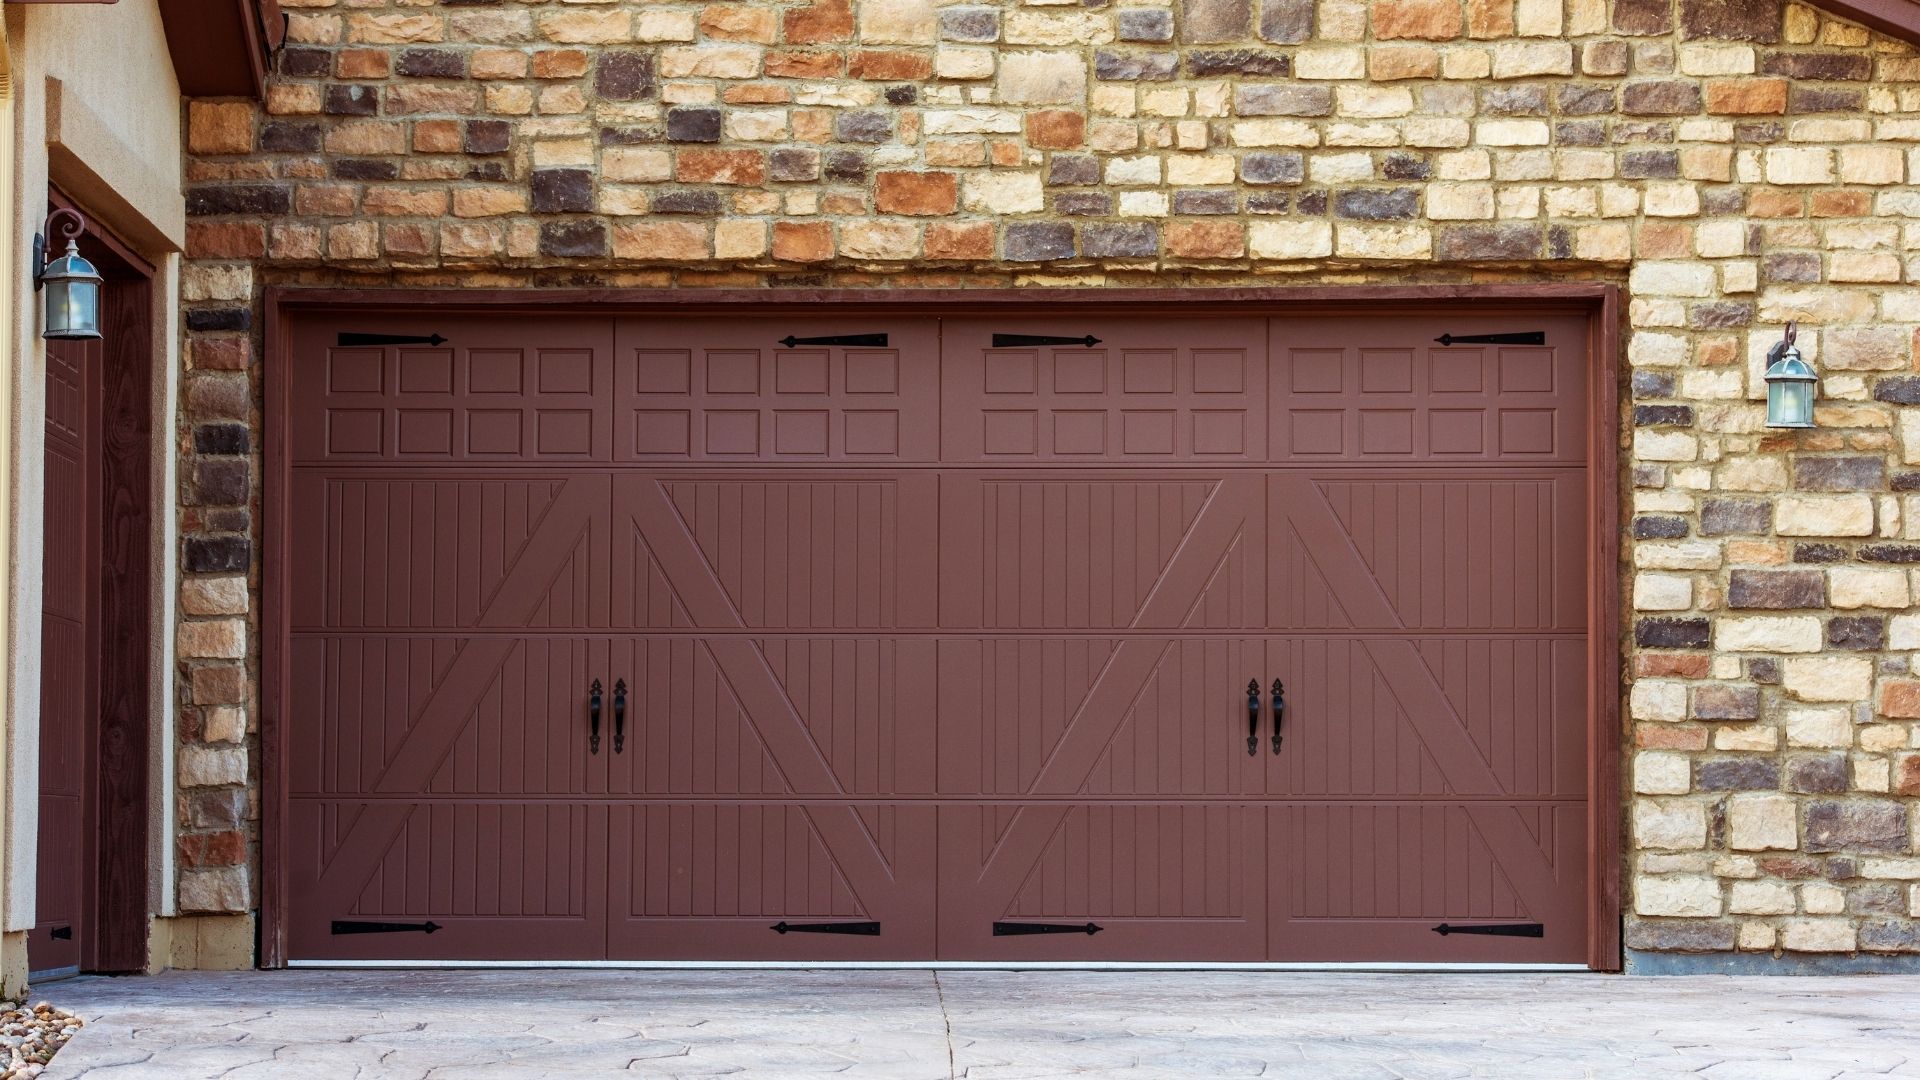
[[926, 965]]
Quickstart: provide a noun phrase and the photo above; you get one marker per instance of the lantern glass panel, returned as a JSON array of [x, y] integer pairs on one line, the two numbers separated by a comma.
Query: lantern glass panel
[[78, 308], [1790, 403]]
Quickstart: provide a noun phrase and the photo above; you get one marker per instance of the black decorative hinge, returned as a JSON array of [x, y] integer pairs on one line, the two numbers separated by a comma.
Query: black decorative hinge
[[61, 933], [1518, 929], [348, 927], [1017, 929], [1527, 337], [1013, 341], [390, 339], [864, 929], [838, 339]]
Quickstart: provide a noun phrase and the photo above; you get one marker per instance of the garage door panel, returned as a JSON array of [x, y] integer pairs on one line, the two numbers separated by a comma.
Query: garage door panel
[[1096, 716], [1150, 390], [712, 880], [1357, 881], [694, 389], [790, 715], [772, 551], [498, 880], [501, 389], [1066, 551], [1160, 881]]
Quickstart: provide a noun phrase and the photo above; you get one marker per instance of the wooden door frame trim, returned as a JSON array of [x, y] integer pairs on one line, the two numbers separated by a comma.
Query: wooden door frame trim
[[1600, 301]]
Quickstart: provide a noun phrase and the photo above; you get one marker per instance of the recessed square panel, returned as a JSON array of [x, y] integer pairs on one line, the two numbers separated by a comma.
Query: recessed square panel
[[426, 371], [1008, 431], [800, 372], [872, 431], [800, 431], [1009, 372], [873, 372], [493, 431], [661, 431], [1386, 371], [353, 431], [1386, 431], [1219, 431], [1526, 371], [1526, 431], [494, 371], [1219, 371], [1146, 432], [1316, 432], [733, 431], [426, 431], [733, 371], [1080, 371], [662, 371], [1457, 431], [1148, 371], [565, 431], [565, 371], [1454, 371], [1080, 431], [1317, 371], [355, 371]]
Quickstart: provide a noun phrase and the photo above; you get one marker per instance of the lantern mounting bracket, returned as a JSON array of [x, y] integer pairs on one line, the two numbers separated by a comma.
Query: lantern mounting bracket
[[73, 227]]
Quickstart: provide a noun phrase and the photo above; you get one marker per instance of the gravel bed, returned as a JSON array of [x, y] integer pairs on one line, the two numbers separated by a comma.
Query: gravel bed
[[32, 1036]]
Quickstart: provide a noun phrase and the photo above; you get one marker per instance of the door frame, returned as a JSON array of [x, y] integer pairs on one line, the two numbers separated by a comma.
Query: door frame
[[1600, 302]]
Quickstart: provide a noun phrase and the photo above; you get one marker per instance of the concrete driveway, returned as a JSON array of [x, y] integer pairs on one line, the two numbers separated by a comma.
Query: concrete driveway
[[907, 1025]]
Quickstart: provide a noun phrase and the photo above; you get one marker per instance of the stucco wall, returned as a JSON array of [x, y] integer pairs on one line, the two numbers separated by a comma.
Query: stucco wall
[[1733, 164]]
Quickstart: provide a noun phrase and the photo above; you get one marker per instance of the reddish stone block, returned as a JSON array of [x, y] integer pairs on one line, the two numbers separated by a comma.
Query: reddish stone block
[[1906, 775], [437, 137], [821, 21], [1900, 699], [1207, 239], [747, 167], [1424, 20], [226, 240], [223, 685], [559, 64], [890, 66], [1747, 97], [360, 64], [1774, 203], [213, 849], [802, 241], [1840, 203], [1669, 737], [956, 240], [917, 193], [802, 65], [1671, 665], [1056, 129]]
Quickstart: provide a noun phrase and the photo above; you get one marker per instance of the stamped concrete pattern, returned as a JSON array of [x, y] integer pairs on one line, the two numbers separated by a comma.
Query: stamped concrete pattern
[[923, 1025]]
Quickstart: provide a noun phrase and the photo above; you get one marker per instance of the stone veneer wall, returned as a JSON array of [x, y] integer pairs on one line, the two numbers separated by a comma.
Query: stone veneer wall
[[1734, 164]]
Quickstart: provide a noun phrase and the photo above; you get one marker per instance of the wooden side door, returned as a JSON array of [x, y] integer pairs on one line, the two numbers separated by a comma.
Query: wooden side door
[[1427, 529], [1101, 588]]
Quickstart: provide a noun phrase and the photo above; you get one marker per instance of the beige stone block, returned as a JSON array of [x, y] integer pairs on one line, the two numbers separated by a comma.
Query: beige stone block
[[207, 766], [225, 595], [1768, 633], [1200, 171], [1660, 772], [1662, 592], [1761, 898], [1373, 101], [222, 889], [664, 24], [1675, 895], [1290, 239], [1191, 135], [1671, 200], [1884, 738], [1671, 825], [1276, 133], [1143, 170], [710, 62], [1340, 168], [1799, 165], [1872, 165], [1890, 869], [579, 27], [1754, 937], [1465, 64], [1330, 62], [739, 238], [1004, 193], [1603, 243], [1524, 60], [1434, 132], [1742, 276], [1143, 204], [1823, 515], [1359, 241], [1538, 18], [1650, 444], [1512, 133], [1657, 699], [1078, 28], [1746, 738], [1584, 165], [1683, 279], [1828, 678], [632, 164], [1863, 266], [1863, 587], [1042, 78], [1817, 935], [213, 639], [1821, 898], [1713, 58], [1459, 202], [953, 62], [393, 29], [1762, 823], [879, 240], [1819, 727], [1678, 555], [897, 22], [980, 121]]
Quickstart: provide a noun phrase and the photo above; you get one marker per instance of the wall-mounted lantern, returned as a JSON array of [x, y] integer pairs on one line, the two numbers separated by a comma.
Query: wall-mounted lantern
[[71, 305], [1790, 385]]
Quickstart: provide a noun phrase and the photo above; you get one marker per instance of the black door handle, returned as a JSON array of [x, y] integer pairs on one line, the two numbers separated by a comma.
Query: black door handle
[[1279, 711], [619, 716], [1253, 716], [593, 717]]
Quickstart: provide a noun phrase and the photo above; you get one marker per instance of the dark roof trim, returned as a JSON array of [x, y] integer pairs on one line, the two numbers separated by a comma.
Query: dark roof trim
[[1899, 18], [222, 48]]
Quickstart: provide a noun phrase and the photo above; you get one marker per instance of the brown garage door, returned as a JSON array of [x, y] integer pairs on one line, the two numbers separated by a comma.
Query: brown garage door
[[933, 639]]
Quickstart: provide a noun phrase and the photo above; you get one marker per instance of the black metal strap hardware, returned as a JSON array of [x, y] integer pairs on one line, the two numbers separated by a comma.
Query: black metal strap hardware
[[1253, 717], [836, 339], [1279, 711], [864, 929], [1014, 341], [1527, 337], [346, 340], [61, 933], [1019, 929], [1521, 929], [348, 927], [619, 716], [593, 717]]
